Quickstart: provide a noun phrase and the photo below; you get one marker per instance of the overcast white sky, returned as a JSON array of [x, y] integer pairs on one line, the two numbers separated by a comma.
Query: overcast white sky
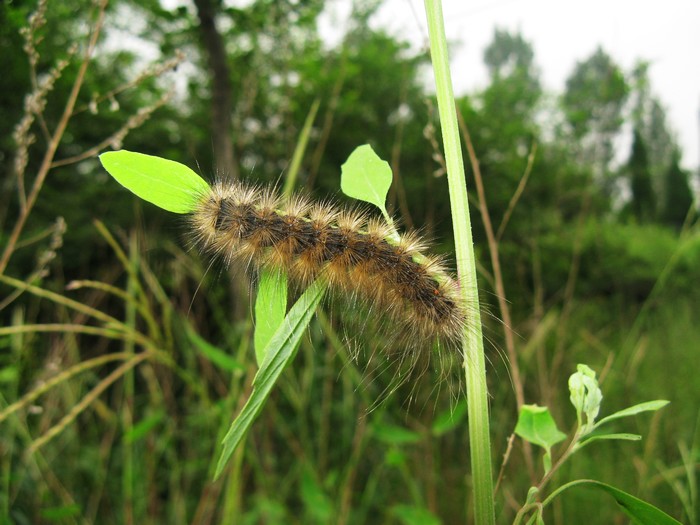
[[562, 32]]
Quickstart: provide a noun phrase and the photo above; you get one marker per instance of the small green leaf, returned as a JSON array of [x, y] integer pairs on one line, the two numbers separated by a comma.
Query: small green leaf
[[143, 427], [317, 504], [278, 355], [270, 307], [212, 353], [450, 418], [395, 435], [649, 406], [9, 374], [61, 513], [165, 183], [413, 515], [366, 177], [536, 425], [395, 457]]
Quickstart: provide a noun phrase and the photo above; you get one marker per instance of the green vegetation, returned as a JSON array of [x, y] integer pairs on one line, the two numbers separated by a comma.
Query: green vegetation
[[126, 357]]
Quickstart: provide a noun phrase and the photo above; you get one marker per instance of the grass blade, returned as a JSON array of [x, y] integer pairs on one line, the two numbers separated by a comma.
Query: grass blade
[[277, 356]]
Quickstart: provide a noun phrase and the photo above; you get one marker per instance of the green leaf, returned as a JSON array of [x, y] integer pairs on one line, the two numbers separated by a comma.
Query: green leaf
[[395, 435], [317, 504], [8, 374], [270, 307], [143, 427], [536, 425], [61, 513], [217, 356], [395, 457], [621, 435], [366, 177], [165, 183], [597, 437], [278, 355], [639, 511], [413, 515], [449, 419], [649, 406]]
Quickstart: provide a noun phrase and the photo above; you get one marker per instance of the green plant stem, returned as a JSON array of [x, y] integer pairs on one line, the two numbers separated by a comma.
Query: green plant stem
[[300, 149], [127, 411], [472, 342]]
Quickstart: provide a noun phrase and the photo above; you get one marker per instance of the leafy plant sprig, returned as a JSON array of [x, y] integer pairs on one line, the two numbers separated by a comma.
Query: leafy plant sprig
[[537, 426]]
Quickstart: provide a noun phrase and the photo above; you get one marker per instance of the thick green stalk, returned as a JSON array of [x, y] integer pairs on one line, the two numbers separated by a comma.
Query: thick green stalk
[[472, 341]]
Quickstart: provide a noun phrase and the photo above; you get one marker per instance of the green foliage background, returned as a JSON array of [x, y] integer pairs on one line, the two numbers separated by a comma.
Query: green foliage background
[[600, 266]]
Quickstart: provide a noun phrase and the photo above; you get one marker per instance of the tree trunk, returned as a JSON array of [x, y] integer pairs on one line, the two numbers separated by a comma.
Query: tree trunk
[[221, 103]]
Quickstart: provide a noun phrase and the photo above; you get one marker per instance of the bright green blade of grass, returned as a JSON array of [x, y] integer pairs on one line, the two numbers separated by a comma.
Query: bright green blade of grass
[[222, 359], [472, 341], [270, 307], [278, 354]]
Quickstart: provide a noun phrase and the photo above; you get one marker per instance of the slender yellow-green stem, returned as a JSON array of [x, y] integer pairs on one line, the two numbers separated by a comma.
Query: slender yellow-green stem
[[474, 361], [300, 149]]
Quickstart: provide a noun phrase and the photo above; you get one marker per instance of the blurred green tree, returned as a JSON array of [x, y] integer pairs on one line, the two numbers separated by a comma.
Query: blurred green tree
[[678, 196], [643, 196], [649, 119], [593, 104]]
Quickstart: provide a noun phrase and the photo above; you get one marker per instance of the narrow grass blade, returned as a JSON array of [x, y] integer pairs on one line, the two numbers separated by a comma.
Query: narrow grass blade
[[217, 356], [277, 356]]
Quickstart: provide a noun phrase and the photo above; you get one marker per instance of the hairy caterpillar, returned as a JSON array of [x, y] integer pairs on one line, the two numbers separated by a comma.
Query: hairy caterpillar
[[253, 225]]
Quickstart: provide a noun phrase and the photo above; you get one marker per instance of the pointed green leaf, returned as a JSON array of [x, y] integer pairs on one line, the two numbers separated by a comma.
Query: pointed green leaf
[[619, 436], [414, 515], [317, 504], [270, 307], [366, 177], [61, 513], [165, 183], [649, 406], [395, 457], [217, 356], [143, 427], [450, 418], [639, 511], [395, 435], [278, 355]]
